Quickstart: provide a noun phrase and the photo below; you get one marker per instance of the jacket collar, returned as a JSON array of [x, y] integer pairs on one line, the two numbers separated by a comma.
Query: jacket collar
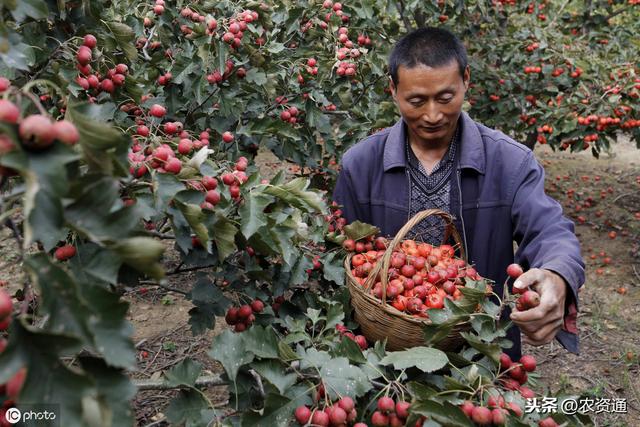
[[471, 146]]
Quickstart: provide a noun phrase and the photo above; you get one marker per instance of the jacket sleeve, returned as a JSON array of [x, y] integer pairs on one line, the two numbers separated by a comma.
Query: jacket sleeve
[[546, 240], [344, 194]]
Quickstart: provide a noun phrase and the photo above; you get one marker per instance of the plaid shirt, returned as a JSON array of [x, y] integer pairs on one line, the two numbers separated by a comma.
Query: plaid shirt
[[430, 191]]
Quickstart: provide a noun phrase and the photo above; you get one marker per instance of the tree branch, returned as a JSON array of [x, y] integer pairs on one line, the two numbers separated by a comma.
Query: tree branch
[[206, 381]]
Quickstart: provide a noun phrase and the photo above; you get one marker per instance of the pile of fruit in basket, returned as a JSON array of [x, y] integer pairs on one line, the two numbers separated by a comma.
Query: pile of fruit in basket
[[421, 276]]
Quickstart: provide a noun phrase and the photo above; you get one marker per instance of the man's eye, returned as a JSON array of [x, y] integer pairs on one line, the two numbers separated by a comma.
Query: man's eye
[[445, 99], [416, 102]]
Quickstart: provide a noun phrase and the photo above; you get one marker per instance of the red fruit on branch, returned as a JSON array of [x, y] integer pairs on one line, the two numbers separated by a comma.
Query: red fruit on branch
[[467, 408], [347, 403], [505, 361], [4, 84], [84, 55], [36, 131], [481, 415], [9, 112], [528, 363], [379, 419], [547, 422], [6, 306], [65, 252], [14, 385], [157, 110], [529, 299], [227, 137], [303, 415], [66, 132], [514, 271], [386, 404], [257, 306], [320, 418]]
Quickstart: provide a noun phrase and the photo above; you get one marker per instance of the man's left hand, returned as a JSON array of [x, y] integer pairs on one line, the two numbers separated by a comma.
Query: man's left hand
[[540, 324]]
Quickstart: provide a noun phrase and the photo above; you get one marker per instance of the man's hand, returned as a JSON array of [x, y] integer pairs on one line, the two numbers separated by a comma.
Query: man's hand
[[540, 324]]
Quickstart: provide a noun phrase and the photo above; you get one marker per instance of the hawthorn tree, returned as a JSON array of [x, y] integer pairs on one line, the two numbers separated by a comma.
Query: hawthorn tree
[[127, 124]]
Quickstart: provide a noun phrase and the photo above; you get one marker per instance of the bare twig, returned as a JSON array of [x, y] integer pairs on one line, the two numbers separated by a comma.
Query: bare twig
[[190, 269], [144, 48], [205, 381], [163, 286]]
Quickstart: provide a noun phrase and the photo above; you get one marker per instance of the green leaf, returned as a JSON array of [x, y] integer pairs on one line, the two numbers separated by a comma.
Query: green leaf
[[277, 412], [125, 37], [94, 262], [426, 359], [313, 358], [184, 373], [252, 213], [286, 353], [349, 349], [491, 350], [358, 230], [261, 341], [94, 134], [36, 9], [274, 372], [333, 269], [141, 253], [195, 217], [224, 233], [295, 193], [186, 408], [230, 350], [256, 77], [342, 379]]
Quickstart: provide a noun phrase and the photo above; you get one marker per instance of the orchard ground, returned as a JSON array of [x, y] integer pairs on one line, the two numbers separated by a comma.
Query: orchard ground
[[609, 321]]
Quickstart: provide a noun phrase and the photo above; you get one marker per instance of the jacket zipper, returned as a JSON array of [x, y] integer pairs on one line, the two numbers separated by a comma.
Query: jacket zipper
[[464, 234], [406, 170]]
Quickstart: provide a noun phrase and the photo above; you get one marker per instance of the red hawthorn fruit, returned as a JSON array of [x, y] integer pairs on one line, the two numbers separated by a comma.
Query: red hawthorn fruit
[[84, 55], [337, 415], [122, 69], [498, 417], [6, 306], [227, 137], [345, 403], [36, 131], [245, 311], [228, 179], [361, 341], [528, 363], [547, 422], [3, 344], [157, 110], [173, 165], [234, 191], [349, 245], [505, 361], [379, 419], [402, 409], [4, 84], [107, 85], [212, 197], [257, 306], [232, 316], [529, 299], [467, 408], [209, 182], [185, 146], [14, 385], [517, 373], [4, 324], [481, 415], [527, 393], [514, 270], [66, 132], [240, 327], [303, 415], [320, 418], [90, 41], [515, 408], [386, 404], [65, 252], [9, 112]]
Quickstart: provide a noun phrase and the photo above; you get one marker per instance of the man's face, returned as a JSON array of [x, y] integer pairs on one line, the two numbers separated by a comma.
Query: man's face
[[430, 101]]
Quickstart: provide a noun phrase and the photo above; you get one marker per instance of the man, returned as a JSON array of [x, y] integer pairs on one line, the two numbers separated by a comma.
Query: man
[[436, 156]]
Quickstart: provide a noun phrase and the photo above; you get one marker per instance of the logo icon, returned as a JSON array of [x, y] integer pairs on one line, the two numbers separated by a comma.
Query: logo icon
[[13, 415]]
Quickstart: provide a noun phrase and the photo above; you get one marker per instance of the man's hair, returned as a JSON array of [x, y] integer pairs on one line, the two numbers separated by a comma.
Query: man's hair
[[430, 46]]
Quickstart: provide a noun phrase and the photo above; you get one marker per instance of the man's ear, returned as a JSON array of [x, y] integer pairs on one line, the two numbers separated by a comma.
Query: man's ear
[[466, 77], [392, 86]]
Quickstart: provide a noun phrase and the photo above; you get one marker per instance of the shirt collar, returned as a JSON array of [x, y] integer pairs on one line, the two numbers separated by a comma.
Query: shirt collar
[[471, 147]]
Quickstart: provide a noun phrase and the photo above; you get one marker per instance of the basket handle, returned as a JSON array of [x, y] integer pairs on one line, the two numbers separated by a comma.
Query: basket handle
[[383, 267]]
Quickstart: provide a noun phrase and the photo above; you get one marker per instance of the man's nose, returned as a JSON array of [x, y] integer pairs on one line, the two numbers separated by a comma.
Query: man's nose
[[432, 113]]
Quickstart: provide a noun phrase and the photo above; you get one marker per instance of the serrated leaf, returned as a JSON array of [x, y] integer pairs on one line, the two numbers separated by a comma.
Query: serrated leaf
[[491, 350], [184, 373], [286, 353], [351, 350], [277, 411], [186, 408], [446, 413], [124, 36], [256, 77], [342, 379], [261, 341], [94, 134], [358, 230], [36, 9], [333, 268], [230, 350], [427, 359], [274, 372], [224, 233], [195, 217], [252, 213], [141, 253]]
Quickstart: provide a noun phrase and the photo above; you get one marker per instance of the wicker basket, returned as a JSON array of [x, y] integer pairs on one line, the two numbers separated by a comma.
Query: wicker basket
[[379, 320]]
